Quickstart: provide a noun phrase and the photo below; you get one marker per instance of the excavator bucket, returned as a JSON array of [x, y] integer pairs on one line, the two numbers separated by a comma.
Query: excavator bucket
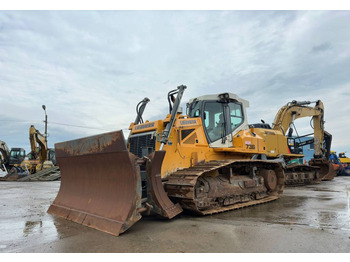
[[100, 183], [327, 171]]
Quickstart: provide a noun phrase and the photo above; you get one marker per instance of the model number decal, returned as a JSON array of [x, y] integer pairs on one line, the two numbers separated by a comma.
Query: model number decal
[[250, 146]]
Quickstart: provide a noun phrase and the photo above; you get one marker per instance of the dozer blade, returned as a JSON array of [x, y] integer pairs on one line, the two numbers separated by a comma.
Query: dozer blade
[[156, 195], [100, 183], [327, 171]]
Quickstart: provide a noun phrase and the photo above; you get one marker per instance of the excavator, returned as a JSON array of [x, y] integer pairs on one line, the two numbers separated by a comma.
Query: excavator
[[40, 157], [205, 161], [281, 143], [9, 158]]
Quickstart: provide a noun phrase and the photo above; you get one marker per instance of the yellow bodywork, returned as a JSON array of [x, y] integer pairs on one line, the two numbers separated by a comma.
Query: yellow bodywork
[[344, 159], [37, 158], [276, 143], [188, 144], [276, 139]]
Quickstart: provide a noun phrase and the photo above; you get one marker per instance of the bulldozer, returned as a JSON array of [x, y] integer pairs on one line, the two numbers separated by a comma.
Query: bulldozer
[[205, 161], [281, 143]]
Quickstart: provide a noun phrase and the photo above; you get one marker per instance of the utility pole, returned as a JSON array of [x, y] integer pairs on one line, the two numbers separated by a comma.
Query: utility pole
[[44, 107]]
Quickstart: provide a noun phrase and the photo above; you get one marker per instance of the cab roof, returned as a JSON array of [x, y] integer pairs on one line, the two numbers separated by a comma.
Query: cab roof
[[220, 96]]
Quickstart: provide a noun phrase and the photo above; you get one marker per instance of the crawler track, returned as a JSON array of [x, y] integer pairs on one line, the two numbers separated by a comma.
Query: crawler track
[[300, 175], [219, 186]]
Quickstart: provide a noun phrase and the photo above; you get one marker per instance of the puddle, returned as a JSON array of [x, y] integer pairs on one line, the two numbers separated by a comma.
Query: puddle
[[325, 190], [32, 226]]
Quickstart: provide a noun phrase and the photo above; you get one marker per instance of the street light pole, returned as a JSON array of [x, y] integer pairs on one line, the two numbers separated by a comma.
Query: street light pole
[[44, 107]]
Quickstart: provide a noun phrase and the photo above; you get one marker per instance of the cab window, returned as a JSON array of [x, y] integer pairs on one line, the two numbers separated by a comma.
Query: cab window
[[236, 115], [195, 112], [214, 120], [14, 153]]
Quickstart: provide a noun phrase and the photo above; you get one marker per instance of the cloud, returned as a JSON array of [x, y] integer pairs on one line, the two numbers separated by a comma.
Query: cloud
[[322, 47], [91, 68]]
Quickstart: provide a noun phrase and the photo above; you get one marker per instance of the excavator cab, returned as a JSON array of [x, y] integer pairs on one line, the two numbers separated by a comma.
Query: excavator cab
[[17, 155], [9, 159], [51, 156]]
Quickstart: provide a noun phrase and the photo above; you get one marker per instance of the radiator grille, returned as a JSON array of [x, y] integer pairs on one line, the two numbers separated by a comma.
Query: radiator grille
[[142, 145]]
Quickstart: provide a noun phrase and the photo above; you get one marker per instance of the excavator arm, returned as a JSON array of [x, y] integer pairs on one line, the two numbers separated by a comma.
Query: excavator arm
[[286, 116], [285, 119], [35, 137]]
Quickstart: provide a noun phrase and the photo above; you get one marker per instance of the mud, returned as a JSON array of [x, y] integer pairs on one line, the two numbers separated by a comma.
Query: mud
[[306, 219]]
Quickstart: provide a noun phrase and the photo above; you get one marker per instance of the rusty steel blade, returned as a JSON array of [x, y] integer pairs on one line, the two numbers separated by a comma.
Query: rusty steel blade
[[100, 183], [156, 195], [326, 168]]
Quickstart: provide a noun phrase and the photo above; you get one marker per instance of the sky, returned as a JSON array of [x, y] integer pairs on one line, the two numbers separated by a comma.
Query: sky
[[91, 68]]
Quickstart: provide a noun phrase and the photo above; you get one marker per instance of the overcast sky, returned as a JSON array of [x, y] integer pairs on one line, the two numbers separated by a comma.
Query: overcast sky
[[90, 69]]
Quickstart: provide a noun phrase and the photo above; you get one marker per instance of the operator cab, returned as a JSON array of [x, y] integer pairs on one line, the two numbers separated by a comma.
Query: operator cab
[[51, 156], [342, 155], [17, 155], [221, 115]]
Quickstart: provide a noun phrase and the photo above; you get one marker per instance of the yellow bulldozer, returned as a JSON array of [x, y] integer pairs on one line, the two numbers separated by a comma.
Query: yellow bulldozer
[[281, 142], [205, 161]]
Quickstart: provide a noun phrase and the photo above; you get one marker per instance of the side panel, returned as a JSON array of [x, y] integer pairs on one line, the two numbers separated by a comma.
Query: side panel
[[276, 143], [188, 146]]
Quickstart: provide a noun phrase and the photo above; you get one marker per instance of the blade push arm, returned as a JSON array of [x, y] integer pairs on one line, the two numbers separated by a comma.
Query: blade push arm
[[173, 111]]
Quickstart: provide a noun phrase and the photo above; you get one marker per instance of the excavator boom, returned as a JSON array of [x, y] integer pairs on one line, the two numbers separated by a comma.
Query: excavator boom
[[35, 137]]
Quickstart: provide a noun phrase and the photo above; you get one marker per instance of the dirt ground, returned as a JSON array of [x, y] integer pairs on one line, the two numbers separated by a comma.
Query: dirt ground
[[313, 218]]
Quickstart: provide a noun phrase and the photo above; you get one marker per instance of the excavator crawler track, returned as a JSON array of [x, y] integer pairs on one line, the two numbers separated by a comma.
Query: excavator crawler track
[[299, 175], [317, 171], [223, 185]]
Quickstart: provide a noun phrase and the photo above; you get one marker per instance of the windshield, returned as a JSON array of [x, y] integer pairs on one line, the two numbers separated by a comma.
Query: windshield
[[221, 119], [52, 155], [15, 153]]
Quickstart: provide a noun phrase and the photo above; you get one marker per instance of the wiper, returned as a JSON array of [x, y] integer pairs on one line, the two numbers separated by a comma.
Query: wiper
[[223, 133]]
